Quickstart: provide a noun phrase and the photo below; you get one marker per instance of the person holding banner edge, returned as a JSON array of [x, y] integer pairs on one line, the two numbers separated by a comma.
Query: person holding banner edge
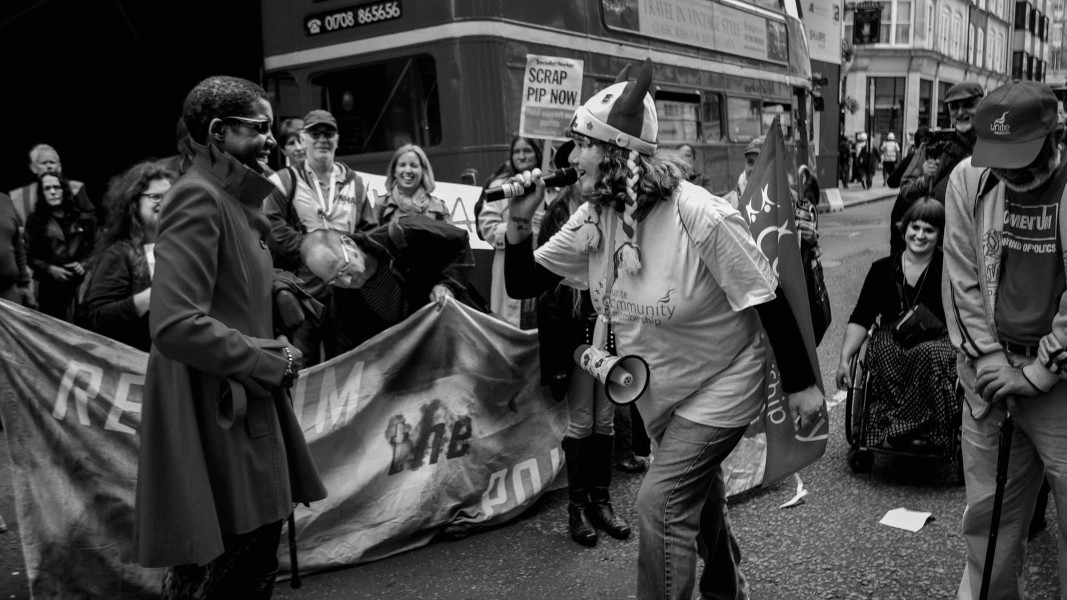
[[678, 290]]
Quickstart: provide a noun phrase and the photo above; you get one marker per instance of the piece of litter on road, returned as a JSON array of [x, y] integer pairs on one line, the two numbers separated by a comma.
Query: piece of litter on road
[[902, 518], [837, 398], [799, 498]]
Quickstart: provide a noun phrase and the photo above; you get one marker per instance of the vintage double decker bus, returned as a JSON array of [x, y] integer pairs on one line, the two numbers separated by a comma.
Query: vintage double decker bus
[[448, 75]]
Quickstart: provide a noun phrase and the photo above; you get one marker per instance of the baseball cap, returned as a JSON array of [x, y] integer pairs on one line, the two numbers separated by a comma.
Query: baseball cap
[[1012, 123], [319, 117], [963, 91], [755, 146]]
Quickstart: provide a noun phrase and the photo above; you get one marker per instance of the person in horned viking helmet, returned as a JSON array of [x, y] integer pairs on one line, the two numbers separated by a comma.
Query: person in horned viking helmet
[[675, 275]]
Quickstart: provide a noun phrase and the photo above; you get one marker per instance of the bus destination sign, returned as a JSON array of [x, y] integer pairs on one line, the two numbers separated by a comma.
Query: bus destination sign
[[352, 16]]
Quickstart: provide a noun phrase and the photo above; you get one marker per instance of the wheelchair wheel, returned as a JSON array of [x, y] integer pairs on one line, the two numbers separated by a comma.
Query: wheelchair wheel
[[860, 461], [855, 399]]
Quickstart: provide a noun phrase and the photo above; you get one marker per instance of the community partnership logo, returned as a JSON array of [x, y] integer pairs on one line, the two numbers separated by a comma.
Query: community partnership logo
[[625, 309], [414, 444]]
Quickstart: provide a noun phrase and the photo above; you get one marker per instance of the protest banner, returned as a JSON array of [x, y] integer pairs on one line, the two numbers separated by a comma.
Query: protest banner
[[440, 419], [460, 200], [551, 91]]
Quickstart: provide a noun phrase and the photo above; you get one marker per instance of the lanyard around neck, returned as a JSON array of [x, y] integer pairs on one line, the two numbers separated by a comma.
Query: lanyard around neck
[[325, 204]]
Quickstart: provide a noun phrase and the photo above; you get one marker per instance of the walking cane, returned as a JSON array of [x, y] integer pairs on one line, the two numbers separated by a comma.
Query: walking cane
[[1007, 426]]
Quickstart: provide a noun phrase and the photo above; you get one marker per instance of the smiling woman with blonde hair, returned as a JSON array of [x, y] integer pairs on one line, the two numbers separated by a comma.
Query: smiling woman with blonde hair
[[410, 183]]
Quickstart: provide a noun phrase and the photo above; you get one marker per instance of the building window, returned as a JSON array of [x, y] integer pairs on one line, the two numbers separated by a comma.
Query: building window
[[926, 88], [979, 50], [743, 117], [1001, 53], [712, 117], [886, 27], [678, 116], [942, 30], [902, 23], [957, 35], [382, 122], [888, 107], [970, 43], [930, 24]]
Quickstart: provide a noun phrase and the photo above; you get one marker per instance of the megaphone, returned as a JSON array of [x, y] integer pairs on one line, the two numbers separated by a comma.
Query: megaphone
[[625, 378]]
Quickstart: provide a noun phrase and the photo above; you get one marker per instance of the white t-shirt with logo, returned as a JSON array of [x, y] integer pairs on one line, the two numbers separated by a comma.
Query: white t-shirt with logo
[[688, 312]]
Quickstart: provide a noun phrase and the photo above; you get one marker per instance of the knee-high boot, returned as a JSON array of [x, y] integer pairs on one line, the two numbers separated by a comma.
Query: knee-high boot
[[581, 529], [599, 468]]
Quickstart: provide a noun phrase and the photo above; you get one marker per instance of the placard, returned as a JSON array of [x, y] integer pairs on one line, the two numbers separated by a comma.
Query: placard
[[551, 91]]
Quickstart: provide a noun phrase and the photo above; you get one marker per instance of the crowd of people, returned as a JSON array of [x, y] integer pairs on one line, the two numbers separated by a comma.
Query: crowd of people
[[233, 277]]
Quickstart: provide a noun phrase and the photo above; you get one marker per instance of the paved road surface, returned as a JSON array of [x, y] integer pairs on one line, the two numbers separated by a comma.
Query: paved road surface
[[830, 547]]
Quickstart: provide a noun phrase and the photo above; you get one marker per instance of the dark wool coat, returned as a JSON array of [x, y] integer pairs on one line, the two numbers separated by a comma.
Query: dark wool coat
[[221, 450]]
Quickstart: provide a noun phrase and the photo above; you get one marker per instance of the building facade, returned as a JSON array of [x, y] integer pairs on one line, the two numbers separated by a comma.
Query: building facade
[[925, 47]]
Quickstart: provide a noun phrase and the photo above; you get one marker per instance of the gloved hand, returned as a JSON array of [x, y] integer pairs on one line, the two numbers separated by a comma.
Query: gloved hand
[[288, 309]]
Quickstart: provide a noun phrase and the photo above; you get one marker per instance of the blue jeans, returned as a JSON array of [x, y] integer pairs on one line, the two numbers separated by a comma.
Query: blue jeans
[[681, 511]]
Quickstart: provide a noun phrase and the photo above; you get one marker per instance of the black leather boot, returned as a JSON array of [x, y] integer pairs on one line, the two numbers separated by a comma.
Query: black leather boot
[[581, 529], [598, 464], [262, 587]]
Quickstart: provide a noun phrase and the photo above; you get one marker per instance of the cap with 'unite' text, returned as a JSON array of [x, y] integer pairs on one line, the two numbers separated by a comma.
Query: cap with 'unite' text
[[1012, 123]]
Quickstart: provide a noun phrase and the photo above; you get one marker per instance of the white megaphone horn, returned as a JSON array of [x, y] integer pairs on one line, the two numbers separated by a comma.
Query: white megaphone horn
[[625, 378]]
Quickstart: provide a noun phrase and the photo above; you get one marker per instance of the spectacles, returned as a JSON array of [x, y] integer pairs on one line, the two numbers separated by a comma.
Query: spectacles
[[260, 126], [321, 133], [958, 104], [156, 197], [339, 278]]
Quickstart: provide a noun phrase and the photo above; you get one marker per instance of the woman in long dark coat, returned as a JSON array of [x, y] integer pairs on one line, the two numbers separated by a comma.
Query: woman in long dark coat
[[222, 456]]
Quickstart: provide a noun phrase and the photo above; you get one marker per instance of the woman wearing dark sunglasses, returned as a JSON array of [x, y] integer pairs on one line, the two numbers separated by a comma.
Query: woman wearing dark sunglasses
[[211, 510], [120, 289], [59, 238]]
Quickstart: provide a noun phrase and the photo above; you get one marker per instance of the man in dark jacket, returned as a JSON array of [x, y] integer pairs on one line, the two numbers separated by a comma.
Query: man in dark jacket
[[383, 276], [222, 455]]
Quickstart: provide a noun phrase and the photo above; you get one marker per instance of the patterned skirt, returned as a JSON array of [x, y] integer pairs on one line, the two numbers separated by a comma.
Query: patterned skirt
[[912, 391]]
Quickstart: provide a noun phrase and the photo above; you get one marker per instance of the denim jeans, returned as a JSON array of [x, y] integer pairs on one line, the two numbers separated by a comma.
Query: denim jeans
[[681, 511], [1038, 449]]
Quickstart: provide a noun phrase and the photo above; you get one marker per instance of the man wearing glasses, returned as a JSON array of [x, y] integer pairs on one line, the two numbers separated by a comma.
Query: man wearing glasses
[[318, 193], [382, 277]]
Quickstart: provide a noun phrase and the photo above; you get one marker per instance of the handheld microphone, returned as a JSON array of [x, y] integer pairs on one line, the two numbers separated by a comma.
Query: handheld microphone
[[512, 189]]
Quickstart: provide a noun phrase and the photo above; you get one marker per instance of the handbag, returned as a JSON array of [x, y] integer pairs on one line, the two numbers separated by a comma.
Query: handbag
[[917, 324]]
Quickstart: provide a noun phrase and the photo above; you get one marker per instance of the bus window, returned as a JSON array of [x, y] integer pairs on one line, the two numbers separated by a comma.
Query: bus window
[[382, 106], [679, 117], [743, 116], [776, 109], [712, 118], [284, 96]]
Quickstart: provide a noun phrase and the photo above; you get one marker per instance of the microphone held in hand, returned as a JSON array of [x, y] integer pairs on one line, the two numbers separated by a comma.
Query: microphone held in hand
[[512, 189]]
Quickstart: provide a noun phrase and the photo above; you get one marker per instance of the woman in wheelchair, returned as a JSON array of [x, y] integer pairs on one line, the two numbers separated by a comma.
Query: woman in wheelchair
[[912, 399]]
